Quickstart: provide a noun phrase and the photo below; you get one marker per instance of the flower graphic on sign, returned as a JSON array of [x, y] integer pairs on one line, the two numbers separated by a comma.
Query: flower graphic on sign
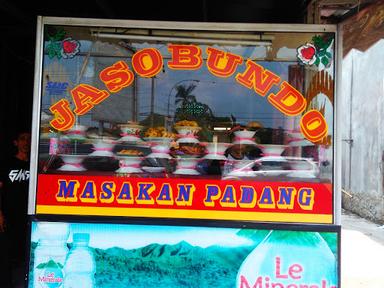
[[70, 48], [61, 46], [307, 53], [316, 53]]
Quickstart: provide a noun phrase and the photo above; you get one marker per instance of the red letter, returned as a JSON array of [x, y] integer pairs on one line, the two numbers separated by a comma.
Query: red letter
[[185, 57], [295, 269], [288, 100], [278, 266], [147, 62], [86, 96], [117, 76], [222, 64], [258, 78], [64, 117], [313, 126], [244, 282]]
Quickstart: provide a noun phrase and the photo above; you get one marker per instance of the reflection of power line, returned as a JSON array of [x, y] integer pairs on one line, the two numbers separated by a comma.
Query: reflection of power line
[[245, 113], [251, 114], [262, 118], [155, 106]]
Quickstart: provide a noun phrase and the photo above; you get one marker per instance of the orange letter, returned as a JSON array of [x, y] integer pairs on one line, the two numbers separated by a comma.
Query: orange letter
[[222, 64], [86, 96], [313, 126], [185, 57], [117, 76], [64, 117], [288, 100], [147, 62], [258, 78]]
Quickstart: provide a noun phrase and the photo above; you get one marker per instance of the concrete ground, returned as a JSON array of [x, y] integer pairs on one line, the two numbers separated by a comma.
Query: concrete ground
[[362, 252]]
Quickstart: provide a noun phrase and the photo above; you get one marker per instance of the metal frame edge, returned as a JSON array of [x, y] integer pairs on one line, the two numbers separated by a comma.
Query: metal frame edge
[[35, 117], [175, 25], [337, 120]]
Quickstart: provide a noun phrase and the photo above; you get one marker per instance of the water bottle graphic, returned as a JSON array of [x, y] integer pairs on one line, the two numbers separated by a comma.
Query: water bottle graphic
[[289, 259], [50, 255], [80, 265]]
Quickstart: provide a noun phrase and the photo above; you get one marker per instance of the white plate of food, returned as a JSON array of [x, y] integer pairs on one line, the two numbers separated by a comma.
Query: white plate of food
[[215, 150], [72, 168], [130, 128], [129, 164], [129, 170], [130, 139], [77, 133], [244, 137], [187, 140], [103, 148], [72, 162], [186, 172], [101, 154], [185, 130], [160, 140], [151, 169], [215, 157], [272, 149], [159, 155]]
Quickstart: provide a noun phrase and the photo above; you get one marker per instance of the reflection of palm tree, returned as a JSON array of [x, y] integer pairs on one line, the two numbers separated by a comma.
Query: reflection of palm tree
[[184, 95], [207, 110]]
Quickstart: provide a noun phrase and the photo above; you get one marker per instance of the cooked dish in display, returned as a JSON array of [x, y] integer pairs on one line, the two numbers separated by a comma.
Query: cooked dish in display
[[130, 124], [131, 127], [186, 123], [158, 132], [254, 125], [186, 129], [188, 150], [130, 152]]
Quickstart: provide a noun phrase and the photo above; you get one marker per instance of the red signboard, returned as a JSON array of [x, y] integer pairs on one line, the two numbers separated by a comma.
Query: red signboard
[[301, 202]]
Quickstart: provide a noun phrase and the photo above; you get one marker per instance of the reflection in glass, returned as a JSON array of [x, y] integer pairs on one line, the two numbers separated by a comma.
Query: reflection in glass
[[189, 122]]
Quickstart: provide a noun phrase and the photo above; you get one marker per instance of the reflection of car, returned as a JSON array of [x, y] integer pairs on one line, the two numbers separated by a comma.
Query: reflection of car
[[274, 166]]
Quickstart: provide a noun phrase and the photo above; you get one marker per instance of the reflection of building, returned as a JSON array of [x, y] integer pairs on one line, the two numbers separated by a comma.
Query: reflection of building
[[124, 103], [296, 77], [221, 127]]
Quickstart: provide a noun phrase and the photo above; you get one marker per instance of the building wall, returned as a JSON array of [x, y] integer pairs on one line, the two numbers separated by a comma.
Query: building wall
[[362, 121]]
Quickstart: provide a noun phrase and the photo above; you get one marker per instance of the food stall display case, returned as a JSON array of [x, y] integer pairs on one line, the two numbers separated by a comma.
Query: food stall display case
[[184, 154]]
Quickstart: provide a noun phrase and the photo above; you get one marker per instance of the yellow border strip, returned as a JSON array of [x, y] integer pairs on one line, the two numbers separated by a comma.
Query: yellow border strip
[[189, 214]]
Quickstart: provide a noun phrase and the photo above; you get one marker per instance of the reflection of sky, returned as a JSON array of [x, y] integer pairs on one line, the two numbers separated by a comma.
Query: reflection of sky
[[134, 236], [223, 95]]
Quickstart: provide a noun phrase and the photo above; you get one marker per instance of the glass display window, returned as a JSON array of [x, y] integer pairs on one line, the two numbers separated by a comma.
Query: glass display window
[[176, 105]]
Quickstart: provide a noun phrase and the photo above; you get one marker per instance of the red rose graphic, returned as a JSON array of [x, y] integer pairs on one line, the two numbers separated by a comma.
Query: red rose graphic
[[307, 53], [70, 48]]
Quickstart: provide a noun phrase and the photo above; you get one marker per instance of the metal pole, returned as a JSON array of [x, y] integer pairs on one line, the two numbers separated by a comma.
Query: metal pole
[[152, 100]]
